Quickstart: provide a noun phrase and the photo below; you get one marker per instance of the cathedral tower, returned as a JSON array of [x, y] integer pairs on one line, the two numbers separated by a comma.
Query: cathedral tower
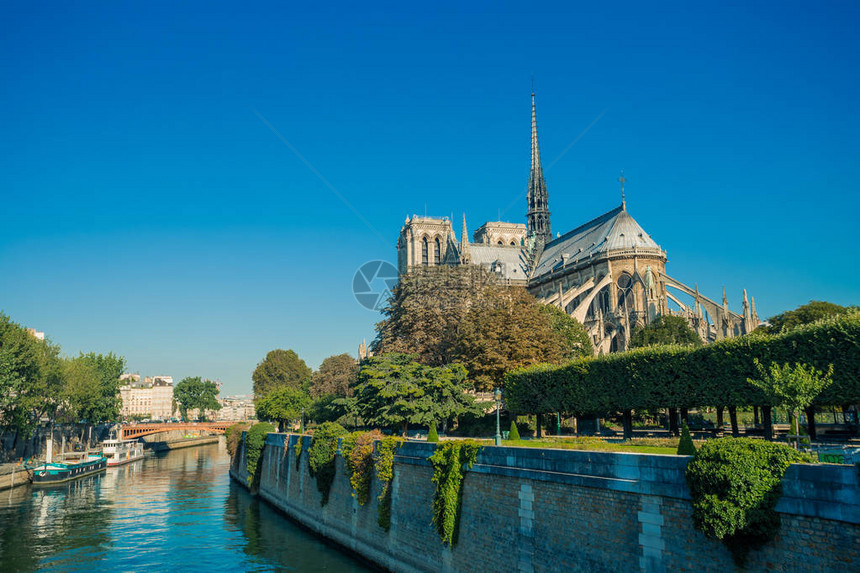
[[538, 213]]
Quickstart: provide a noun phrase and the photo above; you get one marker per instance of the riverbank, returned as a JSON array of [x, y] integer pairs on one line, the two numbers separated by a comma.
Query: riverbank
[[541, 509], [13, 475]]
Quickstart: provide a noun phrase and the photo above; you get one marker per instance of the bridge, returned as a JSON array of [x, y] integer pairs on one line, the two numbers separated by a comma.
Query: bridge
[[139, 430]]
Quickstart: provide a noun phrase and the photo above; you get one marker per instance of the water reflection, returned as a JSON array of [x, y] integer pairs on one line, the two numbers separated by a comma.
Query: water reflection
[[172, 512]]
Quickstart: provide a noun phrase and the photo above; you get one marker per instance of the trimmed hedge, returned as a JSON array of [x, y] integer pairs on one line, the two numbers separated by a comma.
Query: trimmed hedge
[[683, 377]]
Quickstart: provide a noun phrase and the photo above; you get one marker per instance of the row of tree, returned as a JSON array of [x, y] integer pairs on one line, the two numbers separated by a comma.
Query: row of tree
[[682, 377], [36, 382]]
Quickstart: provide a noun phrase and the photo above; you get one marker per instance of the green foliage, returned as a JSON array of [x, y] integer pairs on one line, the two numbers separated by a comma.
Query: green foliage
[[514, 434], [686, 447], [574, 339], [686, 377], [283, 405], [665, 330], [194, 392], [735, 485], [335, 377], [357, 451], [807, 314], [450, 462], [432, 435], [427, 307], [233, 436], [394, 390], [280, 368], [507, 328], [321, 456], [383, 461], [30, 378], [255, 439]]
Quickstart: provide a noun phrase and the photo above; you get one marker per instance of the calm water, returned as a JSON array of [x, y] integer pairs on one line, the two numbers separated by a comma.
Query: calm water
[[173, 512]]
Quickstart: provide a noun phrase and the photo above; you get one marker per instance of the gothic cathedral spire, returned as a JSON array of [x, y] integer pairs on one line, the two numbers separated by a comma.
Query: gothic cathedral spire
[[538, 213]]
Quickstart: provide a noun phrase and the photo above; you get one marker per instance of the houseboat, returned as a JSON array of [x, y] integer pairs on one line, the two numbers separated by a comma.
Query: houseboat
[[120, 452], [68, 467]]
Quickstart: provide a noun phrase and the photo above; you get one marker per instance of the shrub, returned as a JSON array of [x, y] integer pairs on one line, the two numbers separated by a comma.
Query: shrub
[[233, 435], [450, 462], [321, 456], [255, 439], [383, 461], [357, 451], [735, 484], [432, 436], [686, 446], [514, 434]]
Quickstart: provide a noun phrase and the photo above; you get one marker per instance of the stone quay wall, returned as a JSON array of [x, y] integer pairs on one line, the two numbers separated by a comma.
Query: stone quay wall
[[532, 510]]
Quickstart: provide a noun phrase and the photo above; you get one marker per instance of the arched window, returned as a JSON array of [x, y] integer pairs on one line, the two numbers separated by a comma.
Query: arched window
[[424, 254], [437, 252], [513, 243], [501, 244], [625, 284]]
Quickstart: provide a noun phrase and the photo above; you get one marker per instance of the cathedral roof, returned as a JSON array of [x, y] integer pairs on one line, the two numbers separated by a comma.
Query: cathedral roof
[[509, 262], [615, 230]]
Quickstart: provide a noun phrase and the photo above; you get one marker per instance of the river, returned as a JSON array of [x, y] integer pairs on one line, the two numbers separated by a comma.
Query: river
[[176, 511]]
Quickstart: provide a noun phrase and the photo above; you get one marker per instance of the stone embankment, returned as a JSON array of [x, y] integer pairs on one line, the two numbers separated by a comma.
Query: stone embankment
[[530, 510]]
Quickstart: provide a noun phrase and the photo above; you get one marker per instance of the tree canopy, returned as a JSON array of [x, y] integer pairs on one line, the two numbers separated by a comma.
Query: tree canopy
[[395, 390], [666, 329], [426, 311], [280, 368], [335, 376], [814, 311], [194, 392], [282, 405]]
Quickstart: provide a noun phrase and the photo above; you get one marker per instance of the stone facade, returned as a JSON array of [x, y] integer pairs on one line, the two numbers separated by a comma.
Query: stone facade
[[533, 510], [608, 273]]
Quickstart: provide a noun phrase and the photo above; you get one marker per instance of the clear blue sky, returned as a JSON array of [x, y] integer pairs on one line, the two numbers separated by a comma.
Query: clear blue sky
[[148, 210]]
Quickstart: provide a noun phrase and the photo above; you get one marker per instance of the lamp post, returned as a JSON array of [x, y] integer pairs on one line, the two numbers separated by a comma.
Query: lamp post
[[497, 395]]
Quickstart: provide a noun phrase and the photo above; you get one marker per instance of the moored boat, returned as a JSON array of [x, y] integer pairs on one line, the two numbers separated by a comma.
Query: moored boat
[[71, 466], [120, 452]]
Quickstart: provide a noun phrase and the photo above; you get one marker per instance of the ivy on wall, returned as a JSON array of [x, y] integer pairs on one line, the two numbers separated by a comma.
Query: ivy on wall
[[383, 461], [450, 463], [255, 439], [357, 450], [735, 484], [321, 456]]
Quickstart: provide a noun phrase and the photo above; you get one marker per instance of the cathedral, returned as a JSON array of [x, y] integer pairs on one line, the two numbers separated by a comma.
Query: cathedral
[[608, 273]]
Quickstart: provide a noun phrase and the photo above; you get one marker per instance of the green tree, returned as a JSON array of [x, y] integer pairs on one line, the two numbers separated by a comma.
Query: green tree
[[283, 405], [280, 368], [576, 341], [395, 390], [814, 311], [665, 330], [335, 376], [30, 378], [194, 392], [504, 330], [793, 387], [93, 386], [426, 311]]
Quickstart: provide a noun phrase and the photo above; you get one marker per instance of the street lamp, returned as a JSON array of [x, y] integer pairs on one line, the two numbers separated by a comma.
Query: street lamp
[[497, 395]]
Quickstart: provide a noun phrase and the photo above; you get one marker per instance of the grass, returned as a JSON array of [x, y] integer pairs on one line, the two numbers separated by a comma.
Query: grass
[[664, 446]]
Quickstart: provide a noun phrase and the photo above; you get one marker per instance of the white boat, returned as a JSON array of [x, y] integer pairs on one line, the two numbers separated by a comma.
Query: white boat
[[120, 452]]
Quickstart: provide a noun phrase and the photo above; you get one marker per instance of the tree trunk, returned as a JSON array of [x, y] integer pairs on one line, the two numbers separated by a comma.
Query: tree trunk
[[810, 423], [685, 416], [628, 424], [755, 416], [720, 411], [673, 421], [539, 419], [767, 422], [733, 417], [405, 428]]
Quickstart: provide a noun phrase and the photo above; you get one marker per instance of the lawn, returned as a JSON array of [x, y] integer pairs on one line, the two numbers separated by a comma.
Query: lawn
[[664, 446]]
